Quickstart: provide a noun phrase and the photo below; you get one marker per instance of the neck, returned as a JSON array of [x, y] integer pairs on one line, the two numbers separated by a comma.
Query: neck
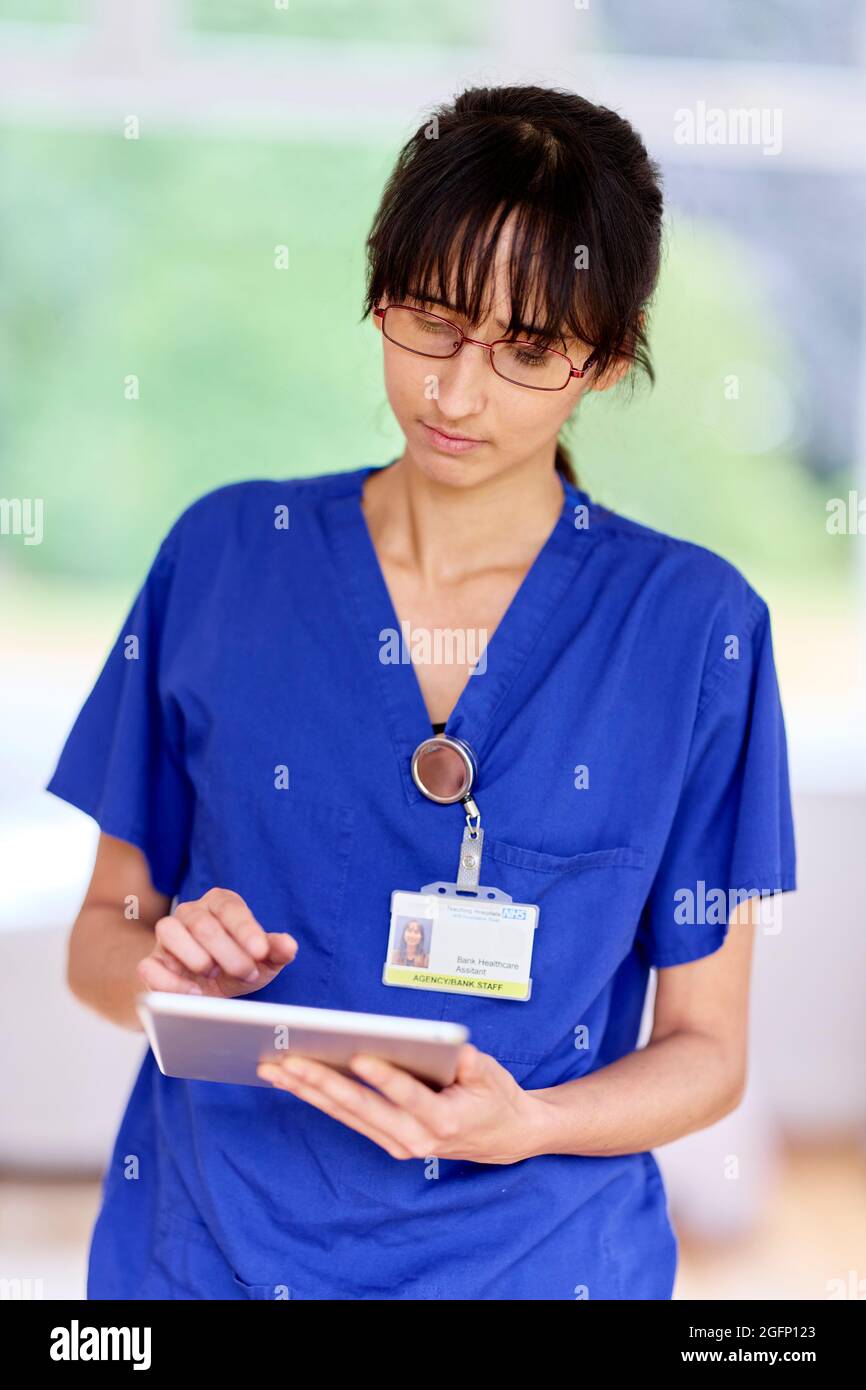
[[447, 531]]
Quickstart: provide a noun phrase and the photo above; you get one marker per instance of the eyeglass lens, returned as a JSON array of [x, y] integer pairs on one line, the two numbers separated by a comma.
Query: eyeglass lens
[[523, 363]]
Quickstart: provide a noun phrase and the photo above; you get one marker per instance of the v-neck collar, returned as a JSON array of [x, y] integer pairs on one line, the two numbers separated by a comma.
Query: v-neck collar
[[521, 626]]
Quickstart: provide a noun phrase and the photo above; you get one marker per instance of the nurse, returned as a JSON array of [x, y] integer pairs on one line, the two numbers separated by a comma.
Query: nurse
[[247, 752]]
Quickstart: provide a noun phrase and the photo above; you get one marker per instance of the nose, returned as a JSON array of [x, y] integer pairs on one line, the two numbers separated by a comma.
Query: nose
[[462, 382]]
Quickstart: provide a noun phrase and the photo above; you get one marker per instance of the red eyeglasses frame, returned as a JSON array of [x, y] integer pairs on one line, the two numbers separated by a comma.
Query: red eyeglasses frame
[[380, 313]]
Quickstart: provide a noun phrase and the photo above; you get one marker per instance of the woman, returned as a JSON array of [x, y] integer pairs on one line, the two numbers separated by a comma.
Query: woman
[[248, 762], [410, 950]]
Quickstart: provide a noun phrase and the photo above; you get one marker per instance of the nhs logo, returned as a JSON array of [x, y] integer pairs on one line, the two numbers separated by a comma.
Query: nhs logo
[[518, 913]]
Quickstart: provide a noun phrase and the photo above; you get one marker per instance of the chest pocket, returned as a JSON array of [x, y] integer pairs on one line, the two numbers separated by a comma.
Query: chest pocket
[[589, 906]]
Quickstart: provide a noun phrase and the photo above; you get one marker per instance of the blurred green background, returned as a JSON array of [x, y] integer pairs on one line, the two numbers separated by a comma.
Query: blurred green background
[[155, 258], [165, 270], [446, 22]]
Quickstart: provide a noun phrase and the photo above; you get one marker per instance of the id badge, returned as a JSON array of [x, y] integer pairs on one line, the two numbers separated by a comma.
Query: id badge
[[461, 938]]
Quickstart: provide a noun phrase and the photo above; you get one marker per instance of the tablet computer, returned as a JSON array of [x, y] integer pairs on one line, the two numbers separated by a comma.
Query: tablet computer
[[206, 1039]]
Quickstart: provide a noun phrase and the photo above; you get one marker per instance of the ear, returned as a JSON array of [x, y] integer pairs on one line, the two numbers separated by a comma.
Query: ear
[[618, 368], [614, 374]]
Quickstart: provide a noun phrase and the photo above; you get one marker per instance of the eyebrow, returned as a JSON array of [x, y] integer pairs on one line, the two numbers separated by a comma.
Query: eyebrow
[[443, 304]]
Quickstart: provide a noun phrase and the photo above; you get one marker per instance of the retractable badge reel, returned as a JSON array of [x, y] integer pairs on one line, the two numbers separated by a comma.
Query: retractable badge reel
[[461, 937], [445, 769]]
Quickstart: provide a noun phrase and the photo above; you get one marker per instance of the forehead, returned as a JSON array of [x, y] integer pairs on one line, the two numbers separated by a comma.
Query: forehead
[[493, 275], [495, 312]]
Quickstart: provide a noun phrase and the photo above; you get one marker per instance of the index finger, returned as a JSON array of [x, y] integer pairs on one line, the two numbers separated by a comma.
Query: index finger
[[399, 1086], [233, 913]]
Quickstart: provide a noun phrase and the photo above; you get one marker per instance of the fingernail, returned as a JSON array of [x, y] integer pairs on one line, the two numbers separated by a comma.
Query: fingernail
[[252, 977], [213, 972], [195, 989]]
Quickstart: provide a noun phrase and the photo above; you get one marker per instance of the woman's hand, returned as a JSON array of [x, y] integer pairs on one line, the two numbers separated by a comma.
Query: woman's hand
[[484, 1116], [215, 946]]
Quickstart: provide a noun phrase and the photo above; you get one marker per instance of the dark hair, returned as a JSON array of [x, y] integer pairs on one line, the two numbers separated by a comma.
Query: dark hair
[[402, 947], [574, 175]]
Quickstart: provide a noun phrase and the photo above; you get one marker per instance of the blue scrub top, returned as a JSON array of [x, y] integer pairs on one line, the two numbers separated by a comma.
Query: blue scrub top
[[632, 760]]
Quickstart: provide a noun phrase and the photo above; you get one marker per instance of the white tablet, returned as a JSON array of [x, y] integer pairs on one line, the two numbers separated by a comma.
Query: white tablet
[[206, 1039]]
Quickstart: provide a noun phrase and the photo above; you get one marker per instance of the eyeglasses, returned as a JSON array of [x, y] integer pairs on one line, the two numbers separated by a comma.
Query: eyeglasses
[[523, 363]]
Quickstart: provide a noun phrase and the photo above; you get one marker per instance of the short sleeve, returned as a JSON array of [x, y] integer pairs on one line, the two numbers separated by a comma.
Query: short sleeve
[[732, 833], [122, 762]]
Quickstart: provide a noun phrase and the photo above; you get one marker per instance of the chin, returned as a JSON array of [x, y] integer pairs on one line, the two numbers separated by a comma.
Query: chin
[[449, 472], [459, 471]]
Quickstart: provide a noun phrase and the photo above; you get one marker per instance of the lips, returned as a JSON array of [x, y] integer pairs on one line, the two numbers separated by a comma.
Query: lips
[[450, 443], [458, 438]]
